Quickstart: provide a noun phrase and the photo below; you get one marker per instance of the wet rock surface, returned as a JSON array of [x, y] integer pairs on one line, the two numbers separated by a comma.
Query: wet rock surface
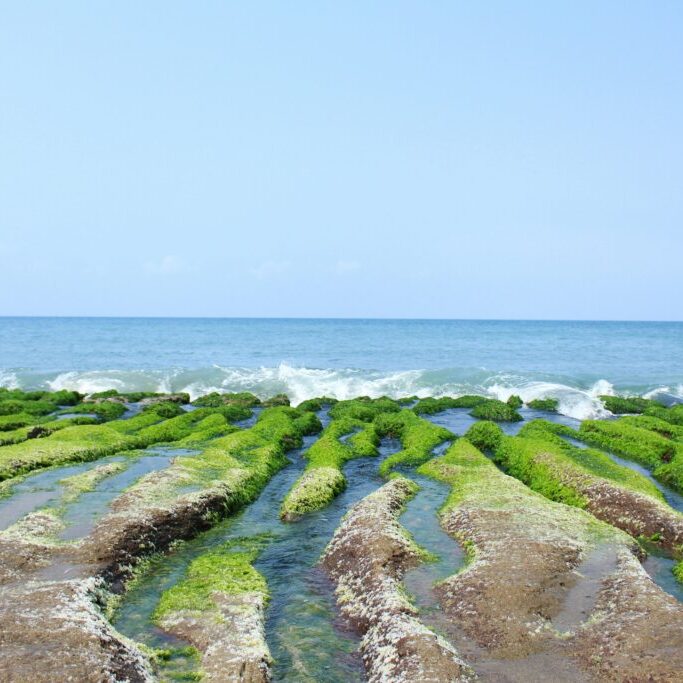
[[366, 558], [636, 630], [53, 631], [232, 641], [549, 588]]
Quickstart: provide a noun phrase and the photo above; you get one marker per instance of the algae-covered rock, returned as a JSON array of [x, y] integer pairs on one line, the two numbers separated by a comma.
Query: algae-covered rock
[[549, 405]]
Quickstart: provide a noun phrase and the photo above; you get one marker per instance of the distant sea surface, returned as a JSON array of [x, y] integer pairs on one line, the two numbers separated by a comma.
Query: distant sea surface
[[572, 361]]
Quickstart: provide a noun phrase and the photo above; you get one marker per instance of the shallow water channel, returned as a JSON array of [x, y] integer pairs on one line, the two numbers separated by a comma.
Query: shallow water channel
[[420, 518], [81, 516], [459, 420], [47, 489], [306, 639], [42, 489]]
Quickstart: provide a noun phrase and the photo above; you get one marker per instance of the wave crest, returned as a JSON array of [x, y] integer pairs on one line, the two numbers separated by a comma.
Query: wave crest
[[301, 383]]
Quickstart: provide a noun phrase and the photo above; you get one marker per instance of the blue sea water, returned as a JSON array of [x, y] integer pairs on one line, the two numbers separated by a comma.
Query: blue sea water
[[573, 361]]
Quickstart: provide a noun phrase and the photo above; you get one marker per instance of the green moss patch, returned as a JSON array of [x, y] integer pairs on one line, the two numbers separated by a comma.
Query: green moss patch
[[469, 474], [364, 408], [323, 479], [496, 410], [674, 414], [88, 442], [431, 406], [418, 436], [214, 400], [627, 404], [225, 569], [485, 435], [106, 410], [588, 460], [549, 405], [316, 404], [658, 453]]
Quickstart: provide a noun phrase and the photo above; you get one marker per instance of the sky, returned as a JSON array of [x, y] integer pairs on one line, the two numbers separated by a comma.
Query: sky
[[348, 159]]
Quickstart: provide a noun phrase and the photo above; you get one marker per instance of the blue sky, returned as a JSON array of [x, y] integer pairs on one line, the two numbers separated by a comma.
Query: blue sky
[[389, 159]]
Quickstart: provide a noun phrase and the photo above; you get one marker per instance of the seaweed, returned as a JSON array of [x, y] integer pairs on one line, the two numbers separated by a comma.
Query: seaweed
[[627, 404], [549, 405], [495, 410], [430, 406], [418, 437]]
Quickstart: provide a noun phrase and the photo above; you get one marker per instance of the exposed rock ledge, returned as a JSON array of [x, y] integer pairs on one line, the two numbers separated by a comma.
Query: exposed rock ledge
[[232, 642], [366, 558], [52, 631]]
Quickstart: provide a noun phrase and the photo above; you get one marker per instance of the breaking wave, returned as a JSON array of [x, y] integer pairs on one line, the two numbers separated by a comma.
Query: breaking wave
[[299, 383]]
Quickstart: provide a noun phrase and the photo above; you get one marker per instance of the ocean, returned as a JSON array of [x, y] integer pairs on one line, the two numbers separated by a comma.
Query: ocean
[[572, 361]]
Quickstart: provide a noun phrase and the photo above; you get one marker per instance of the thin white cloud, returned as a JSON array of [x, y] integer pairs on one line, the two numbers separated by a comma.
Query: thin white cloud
[[269, 269], [346, 267], [166, 265]]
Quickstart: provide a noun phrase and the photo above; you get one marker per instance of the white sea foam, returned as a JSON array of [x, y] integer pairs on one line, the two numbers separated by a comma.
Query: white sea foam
[[573, 402], [301, 383], [9, 380], [666, 394]]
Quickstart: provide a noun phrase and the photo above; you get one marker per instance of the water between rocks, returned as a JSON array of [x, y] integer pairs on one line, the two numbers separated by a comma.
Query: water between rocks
[[46, 489], [81, 516], [303, 631]]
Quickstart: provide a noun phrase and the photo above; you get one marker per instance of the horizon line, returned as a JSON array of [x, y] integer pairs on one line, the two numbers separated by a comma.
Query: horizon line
[[337, 318]]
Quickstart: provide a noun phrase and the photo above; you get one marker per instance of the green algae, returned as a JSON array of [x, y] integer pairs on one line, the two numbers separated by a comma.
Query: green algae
[[496, 410], [106, 410], [165, 409], [15, 421], [485, 435], [242, 460], [364, 408], [431, 406], [89, 442], [277, 400], [549, 405], [655, 424], [365, 442], [519, 458], [226, 568], [673, 414], [210, 427], [469, 474], [515, 402], [418, 437], [69, 444], [215, 400], [556, 469], [323, 479], [586, 460], [658, 453], [476, 482], [627, 404], [316, 404], [356, 422]]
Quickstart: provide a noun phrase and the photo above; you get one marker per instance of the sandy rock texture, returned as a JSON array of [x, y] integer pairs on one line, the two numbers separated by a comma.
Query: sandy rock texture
[[366, 558], [232, 642]]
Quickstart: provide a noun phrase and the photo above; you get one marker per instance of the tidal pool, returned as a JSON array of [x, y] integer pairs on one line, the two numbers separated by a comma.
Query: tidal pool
[[81, 516], [42, 489], [420, 517]]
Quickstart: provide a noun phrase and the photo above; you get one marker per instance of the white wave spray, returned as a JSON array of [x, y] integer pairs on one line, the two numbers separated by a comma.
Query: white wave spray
[[300, 383]]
